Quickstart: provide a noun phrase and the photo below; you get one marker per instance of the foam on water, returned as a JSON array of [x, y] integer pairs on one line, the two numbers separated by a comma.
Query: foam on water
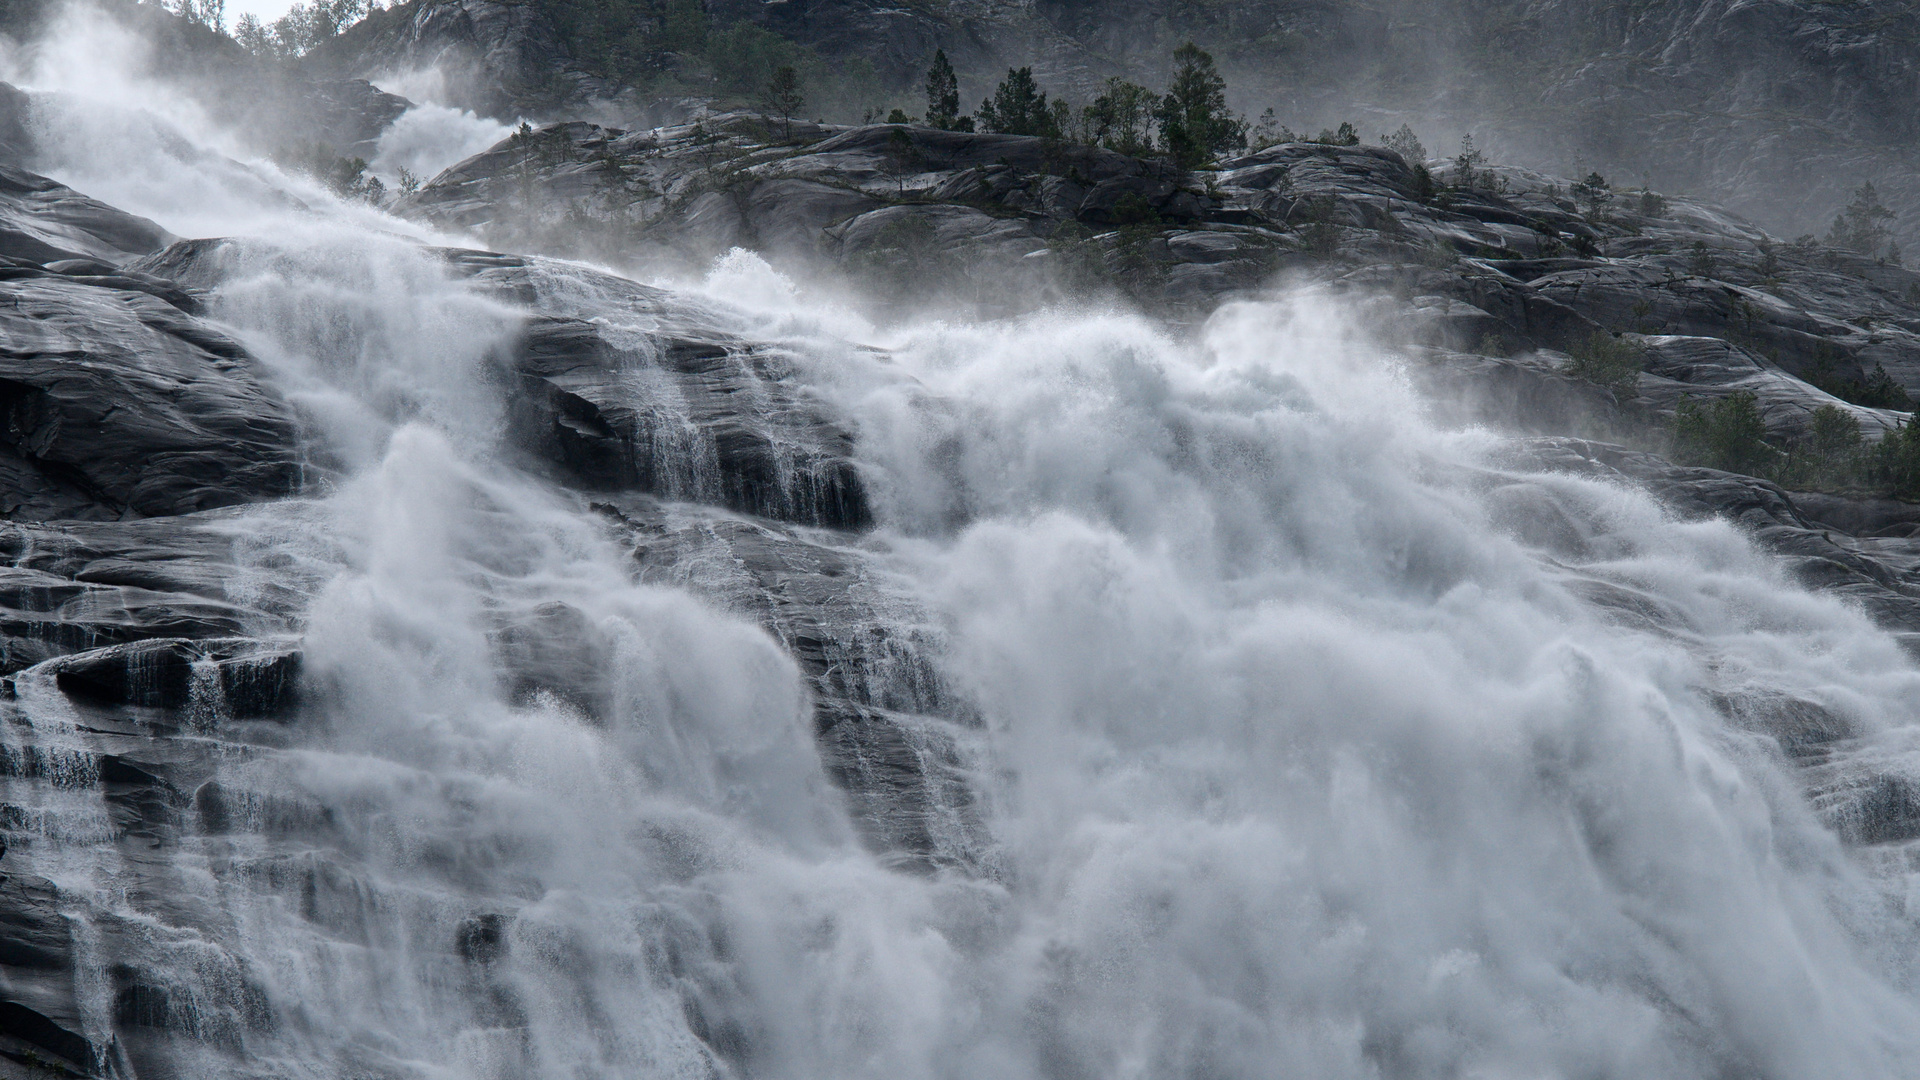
[[1300, 755]]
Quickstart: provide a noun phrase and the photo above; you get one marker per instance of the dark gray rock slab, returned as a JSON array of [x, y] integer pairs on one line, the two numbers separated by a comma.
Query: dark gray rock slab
[[120, 398], [42, 221]]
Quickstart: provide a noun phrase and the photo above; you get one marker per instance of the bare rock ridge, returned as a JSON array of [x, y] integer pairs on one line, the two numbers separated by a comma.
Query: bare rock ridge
[[134, 431], [1775, 109]]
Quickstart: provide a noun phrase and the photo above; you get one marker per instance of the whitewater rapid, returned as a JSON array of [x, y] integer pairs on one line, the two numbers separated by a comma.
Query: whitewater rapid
[[1293, 749]]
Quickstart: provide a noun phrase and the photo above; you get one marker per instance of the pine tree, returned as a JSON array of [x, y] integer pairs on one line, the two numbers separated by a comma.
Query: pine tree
[[1862, 226], [1121, 118], [782, 96], [1195, 126], [1018, 107], [1405, 143], [1470, 157], [943, 96]]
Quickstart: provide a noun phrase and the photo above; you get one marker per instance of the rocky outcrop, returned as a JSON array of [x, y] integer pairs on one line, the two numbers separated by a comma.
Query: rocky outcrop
[[500, 59], [1514, 259], [116, 400], [1776, 109], [889, 727], [42, 222]]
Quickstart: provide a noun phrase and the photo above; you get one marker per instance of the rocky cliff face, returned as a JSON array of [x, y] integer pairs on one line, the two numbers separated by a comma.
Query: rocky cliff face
[[1777, 109]]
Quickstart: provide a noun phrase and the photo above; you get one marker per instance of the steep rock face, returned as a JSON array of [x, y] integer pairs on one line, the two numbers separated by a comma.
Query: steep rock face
[[889, 727], [1519, 260], [43, 221], [500, 59], [116, 400], [348, 115], [1778, 109], [690, 412], [157, 634]]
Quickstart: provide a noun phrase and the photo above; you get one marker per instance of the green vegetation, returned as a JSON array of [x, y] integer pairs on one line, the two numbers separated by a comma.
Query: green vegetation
[[346, 177], [1345, 135], [1652, 204], [1269, 131], [1608, 361], [1877, 390], [1195, 125], [1467, 167], [1470, 157], [1596, 193], [1725, 434], [1893, 465], [1018, 107], [1862, 226], [943, 96], [211, 14], [1405, 143], [1190, 124], [1830, 457], [782, 96], [1121, 118], [1700, 261], [302, 29]]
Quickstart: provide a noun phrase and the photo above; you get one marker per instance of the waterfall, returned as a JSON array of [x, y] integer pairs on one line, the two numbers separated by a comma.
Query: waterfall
[[774, 694]]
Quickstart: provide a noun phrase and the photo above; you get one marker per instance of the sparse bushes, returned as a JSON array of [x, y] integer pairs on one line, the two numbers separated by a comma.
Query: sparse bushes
[[302, 29], [1653, 204], [1345, 135], [1893, 465], [1700, 260], [1190, 124], [1405, 143], [1876, 391], [1468, 161], [1610, 362], [1269, 131], [781, 96], [1725, 434], [346, 177], [211, 14], [1830, 456], [1596, 193], [1467, 167], [1320, 236]]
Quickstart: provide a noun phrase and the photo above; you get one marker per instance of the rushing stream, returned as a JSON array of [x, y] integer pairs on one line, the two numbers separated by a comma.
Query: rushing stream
[[1256, 727]]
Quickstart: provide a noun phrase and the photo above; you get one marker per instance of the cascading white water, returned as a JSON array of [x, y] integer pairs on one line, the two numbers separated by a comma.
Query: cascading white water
[[1298, 755]]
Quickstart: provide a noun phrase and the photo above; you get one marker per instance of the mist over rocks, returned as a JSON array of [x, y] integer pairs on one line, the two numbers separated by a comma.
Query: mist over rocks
[[1777, 109], [964, 583], [1514, 258]]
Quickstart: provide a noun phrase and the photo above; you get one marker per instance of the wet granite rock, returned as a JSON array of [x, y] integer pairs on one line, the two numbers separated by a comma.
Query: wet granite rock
[[114, 400], [669, 415], [891, 731], [42, 221]]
